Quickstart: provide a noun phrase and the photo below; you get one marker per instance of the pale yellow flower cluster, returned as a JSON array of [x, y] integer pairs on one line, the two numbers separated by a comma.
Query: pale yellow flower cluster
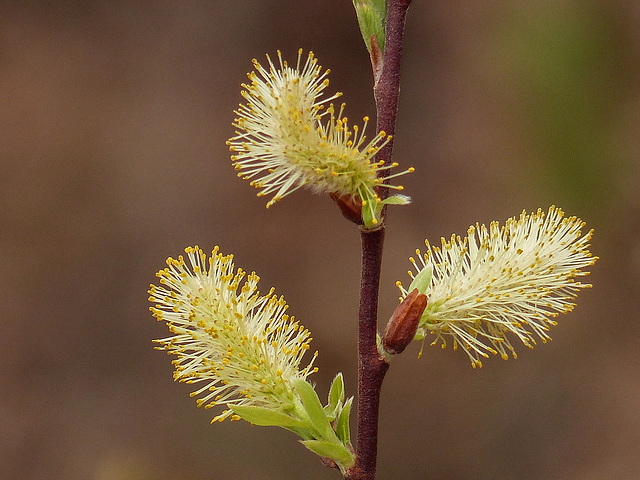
[[283, 141], [503, 282], [238, 346]]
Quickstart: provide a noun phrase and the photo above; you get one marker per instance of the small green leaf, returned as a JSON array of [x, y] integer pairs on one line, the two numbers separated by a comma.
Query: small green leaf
[[331, 412], [371, 19], [342, 428], [265, 417], [422, 280], [397, 200], [332, 450], [336, 398], [371, 209], [336, 393], [313, 408], [368, 217]]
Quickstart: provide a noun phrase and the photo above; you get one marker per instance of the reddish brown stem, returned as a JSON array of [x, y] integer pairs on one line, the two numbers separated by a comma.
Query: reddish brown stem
[[387, 89], [371, 366]]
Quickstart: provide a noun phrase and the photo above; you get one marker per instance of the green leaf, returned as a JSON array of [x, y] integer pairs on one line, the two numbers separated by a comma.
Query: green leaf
[[336, 392], [331, 412], [332, 450], [342, 428], [368, 216], [265, 417], [422, 280], [397, 200], [313, 408], [371, 19], [336, 398]]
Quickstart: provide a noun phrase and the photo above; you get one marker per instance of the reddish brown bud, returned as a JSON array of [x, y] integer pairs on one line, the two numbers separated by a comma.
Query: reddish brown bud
[[403, 324], [376, 57], [350, 207]]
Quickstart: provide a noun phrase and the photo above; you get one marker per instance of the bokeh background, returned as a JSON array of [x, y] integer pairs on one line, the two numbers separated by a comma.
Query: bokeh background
[[113, 121]]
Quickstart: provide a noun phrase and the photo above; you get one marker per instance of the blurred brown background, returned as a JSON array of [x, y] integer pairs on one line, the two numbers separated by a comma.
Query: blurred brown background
[[113, 121]]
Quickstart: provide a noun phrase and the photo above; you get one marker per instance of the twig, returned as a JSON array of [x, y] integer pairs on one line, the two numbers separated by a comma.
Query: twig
[[371, 366], [387, 88]]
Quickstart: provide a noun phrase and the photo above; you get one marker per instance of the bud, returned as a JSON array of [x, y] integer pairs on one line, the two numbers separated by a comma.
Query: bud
[[350, 206], [402, 327]]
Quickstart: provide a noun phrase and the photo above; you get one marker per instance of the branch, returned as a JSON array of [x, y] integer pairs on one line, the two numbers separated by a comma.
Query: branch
[[387, 88], [371, 366]]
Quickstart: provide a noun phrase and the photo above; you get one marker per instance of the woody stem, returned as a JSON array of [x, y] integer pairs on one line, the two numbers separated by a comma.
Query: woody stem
[[371, 366]]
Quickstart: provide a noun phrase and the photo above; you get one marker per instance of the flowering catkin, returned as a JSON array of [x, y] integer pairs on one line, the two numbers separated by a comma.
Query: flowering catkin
[[239, 346], [502, 282], [287, 139]]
